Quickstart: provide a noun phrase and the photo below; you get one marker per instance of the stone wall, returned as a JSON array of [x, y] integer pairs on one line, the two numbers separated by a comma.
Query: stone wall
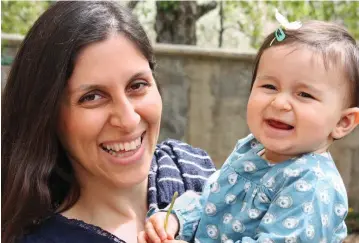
[[205, 92]]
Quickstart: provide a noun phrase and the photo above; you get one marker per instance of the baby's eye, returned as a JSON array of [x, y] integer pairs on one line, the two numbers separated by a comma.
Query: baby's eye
[[306, 95], [90, 97], [269, 86]]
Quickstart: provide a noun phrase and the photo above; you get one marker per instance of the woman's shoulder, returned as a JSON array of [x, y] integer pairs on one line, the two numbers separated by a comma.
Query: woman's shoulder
[[45, 232], [176, 166], [58, 229], [182, 153]]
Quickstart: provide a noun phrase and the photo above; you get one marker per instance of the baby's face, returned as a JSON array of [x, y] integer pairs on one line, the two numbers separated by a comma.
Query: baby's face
[[295, 102]]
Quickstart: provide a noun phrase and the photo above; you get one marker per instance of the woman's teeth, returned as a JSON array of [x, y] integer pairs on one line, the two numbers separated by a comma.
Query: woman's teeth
[[127, 146]]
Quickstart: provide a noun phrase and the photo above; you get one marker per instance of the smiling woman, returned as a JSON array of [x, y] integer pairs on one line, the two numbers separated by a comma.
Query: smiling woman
[[81, 115], [117, 101]]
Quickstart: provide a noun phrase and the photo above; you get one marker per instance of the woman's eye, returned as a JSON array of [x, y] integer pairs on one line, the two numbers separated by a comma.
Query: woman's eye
[[90, 97], [138, 86], [269, 86], [305, 95]]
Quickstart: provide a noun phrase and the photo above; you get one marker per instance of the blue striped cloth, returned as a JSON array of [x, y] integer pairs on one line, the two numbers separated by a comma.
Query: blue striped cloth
[[176, 166]]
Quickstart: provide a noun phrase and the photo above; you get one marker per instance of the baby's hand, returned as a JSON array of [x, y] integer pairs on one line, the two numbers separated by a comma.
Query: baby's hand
[[155, 231]]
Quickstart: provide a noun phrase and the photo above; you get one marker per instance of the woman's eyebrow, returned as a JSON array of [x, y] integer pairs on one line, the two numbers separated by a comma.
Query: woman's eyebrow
[[140, 74], [87, 87]]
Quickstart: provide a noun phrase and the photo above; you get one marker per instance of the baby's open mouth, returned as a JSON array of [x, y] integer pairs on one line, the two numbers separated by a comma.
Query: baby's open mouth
[[279, 125], [123, 148]]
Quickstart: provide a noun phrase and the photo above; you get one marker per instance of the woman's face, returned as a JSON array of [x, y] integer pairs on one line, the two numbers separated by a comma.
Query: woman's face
[[110, 114]]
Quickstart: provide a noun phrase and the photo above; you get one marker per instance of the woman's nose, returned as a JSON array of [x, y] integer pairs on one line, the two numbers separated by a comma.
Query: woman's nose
[[281, 102], [124, 115]]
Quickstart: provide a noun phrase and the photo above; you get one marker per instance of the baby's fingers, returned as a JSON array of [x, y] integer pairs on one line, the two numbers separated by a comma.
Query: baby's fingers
[[158, 224], [152, 234], [141, 238]]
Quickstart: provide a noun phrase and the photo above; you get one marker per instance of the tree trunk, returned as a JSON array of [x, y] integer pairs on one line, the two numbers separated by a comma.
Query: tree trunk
[[221, 25], [176, 20]]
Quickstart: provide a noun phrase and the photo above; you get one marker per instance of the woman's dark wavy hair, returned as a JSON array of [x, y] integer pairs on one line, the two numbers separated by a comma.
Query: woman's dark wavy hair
[[36, 174], [337, 47]]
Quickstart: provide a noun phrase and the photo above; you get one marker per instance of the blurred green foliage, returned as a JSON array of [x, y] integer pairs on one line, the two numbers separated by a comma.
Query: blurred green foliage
[[252, 15], [352, 222], [168, 5], [249, 17], [19, 16]]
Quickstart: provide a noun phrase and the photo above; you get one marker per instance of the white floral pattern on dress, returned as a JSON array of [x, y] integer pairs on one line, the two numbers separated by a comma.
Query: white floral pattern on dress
[[215, 187], [308, 207], [227, 218], [212, 231], [284, 201], [237, 226], [290, 239], [270, 183], [310, 231], [253, 213], [340, 210], [302, 186], [318, 172], [324, 197], [249, 166], [230, 198], [268, 218], [210, 209], [247, 186], [288, 172], [290, 222], [232, 178], [325, 220]]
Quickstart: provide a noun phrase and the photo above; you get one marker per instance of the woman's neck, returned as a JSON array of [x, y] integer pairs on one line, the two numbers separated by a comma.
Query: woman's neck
[[120, 211]]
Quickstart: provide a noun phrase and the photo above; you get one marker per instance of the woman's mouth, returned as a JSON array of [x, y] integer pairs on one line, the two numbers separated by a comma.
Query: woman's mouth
[[123, 149]]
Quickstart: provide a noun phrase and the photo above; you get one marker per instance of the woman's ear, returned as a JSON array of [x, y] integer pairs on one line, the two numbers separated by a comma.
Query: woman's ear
[[348, 121]]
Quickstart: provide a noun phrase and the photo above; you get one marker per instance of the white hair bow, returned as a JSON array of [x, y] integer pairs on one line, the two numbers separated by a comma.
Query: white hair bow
[[285, 23]]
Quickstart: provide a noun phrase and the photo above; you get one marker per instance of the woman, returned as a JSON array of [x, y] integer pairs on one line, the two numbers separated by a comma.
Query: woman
[[81, 116]]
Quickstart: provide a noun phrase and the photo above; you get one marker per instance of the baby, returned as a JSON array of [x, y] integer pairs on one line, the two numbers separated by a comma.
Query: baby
[[280, 183]]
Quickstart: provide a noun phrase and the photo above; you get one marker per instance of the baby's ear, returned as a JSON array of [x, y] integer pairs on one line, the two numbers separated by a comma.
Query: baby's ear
[[348, 121]]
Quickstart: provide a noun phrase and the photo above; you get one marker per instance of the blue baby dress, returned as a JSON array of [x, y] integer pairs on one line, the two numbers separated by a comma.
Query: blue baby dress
[[249, 200]]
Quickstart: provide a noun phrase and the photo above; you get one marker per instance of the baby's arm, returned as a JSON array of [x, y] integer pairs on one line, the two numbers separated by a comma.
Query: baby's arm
[[188, 209], [183, 219], [305, 210]]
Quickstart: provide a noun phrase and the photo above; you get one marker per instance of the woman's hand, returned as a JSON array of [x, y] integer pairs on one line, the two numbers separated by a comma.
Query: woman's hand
[[155, 231]]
